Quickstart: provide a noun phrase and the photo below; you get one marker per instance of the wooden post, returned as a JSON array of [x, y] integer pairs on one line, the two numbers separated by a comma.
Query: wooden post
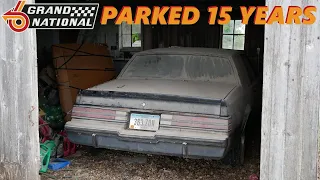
[[147, 37], [19, 138], [291, 98]]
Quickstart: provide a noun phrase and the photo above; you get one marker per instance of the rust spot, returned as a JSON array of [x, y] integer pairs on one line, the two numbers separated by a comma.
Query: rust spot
[[29, 115]]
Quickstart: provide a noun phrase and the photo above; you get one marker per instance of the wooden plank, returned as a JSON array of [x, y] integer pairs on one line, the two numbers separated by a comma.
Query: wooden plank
[[147, 37], [290, 98], [19, 138]]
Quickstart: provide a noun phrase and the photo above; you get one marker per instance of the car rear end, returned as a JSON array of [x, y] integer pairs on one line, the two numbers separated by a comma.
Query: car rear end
[[96, 121], [161, 103]]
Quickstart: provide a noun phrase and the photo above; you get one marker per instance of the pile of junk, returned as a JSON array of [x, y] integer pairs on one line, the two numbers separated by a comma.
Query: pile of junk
[[74, 67]]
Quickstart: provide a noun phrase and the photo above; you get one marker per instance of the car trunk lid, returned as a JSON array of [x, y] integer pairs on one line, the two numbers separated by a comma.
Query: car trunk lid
[[194, 89], [167, 96]]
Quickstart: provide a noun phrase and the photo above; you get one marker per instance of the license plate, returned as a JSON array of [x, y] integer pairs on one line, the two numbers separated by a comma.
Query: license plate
[[146, 122]]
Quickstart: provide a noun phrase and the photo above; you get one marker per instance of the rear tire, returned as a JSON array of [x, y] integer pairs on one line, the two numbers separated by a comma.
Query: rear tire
[[235, 156]]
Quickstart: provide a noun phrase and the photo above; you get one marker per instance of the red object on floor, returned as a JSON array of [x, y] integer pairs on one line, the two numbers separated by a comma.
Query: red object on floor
[[69, 147], [253, 177]]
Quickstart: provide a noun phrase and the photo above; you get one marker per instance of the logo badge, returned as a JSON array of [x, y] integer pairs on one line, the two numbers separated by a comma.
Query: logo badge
[[51, 16], [17, 20], [143, 104]]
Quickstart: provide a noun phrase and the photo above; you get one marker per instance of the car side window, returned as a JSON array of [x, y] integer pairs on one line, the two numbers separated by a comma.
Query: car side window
[[249, 69]]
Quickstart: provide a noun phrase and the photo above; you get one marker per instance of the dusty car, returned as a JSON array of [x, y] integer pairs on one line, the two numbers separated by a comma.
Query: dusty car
[[189, 102]]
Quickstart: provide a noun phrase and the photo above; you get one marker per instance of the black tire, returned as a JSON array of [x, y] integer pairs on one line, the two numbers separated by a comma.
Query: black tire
[[235, 156]]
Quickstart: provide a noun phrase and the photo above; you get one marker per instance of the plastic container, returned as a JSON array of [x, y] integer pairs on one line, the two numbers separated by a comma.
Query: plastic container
[[58, 163], [46, 149]]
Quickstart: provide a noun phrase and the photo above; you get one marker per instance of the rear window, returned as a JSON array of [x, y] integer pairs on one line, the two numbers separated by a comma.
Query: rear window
[[180, 67]]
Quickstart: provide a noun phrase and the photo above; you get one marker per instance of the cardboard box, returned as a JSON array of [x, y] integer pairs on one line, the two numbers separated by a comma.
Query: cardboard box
[[80, 67]]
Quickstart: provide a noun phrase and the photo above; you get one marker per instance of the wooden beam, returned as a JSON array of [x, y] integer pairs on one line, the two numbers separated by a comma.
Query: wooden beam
[[291, 98], [19, 138]]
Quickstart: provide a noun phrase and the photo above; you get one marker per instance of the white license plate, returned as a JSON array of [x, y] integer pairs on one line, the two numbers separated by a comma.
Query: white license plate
[[146, 122]]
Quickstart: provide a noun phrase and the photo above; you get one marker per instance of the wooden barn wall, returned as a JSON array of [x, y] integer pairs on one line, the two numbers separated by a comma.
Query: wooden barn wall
[[255, 39], [19, 114], [199, 35]]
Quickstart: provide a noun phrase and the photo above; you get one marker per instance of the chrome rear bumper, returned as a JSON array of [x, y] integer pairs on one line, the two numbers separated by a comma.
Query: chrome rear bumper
[[185, 144]]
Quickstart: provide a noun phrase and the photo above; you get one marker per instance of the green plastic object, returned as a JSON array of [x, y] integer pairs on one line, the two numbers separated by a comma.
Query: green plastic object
[[46, 149]]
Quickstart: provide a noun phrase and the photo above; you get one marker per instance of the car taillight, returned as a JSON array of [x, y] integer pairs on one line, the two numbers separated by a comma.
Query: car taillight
[[98, 113], [217, 124], [93, 113]]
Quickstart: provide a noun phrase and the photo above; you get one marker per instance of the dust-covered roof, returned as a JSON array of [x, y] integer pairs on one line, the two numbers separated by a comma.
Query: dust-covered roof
[[192, 50]]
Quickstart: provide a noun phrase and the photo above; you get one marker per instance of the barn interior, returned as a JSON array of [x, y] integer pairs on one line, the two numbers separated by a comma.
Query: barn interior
[[121, 45]]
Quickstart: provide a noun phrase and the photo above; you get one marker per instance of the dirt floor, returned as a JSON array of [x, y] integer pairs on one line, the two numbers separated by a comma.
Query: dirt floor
[[95, 164], [91, 163]]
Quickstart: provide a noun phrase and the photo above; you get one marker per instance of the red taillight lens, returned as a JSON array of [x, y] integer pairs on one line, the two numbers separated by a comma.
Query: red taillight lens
[[195, 122], [93, 113]]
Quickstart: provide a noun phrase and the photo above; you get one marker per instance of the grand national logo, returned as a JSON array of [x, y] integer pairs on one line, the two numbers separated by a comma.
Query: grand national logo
[[51, 16]]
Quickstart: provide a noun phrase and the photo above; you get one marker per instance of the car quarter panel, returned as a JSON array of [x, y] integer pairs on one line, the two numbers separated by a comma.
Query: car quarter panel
[[240, 99], [236, 106]]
